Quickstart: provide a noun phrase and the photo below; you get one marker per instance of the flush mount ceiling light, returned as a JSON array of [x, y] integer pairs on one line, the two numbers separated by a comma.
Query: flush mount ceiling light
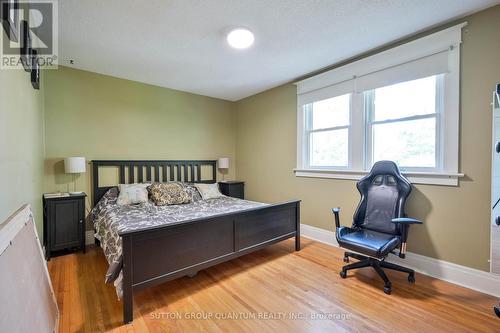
[[240, 38]]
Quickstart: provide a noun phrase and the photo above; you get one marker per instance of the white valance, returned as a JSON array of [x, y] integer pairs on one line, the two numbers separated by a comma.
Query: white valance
[[426, 56], [341, 88], [413, 70]]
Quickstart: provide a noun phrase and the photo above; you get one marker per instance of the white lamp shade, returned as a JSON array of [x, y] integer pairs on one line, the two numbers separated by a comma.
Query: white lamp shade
[[74, 164], [223, 163]]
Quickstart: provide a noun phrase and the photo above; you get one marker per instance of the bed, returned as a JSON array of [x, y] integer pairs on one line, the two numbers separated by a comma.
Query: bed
[[151, 245]]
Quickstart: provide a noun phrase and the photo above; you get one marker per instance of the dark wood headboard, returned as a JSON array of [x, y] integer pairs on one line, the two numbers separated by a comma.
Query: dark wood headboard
[[151, 171]]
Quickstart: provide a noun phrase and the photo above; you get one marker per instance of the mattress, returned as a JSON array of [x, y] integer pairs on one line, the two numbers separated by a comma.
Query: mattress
[[110, 220]]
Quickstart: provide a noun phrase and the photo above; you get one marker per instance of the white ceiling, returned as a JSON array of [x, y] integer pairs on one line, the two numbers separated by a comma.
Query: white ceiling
[[180, 44]]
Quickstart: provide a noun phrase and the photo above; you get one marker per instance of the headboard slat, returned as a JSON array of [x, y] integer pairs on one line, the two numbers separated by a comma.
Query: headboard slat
[[173, 170], [131, 174], [122, 174], [140, 171], [164, 170], [157, 173]]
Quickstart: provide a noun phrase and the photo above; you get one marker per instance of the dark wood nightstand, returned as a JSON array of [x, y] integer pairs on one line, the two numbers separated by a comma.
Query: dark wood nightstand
[[63, 223], [233, 188]]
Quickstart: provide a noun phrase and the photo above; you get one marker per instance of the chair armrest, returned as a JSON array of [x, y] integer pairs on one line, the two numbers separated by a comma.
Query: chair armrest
[[404, 223], [336, 212], [406, 220]]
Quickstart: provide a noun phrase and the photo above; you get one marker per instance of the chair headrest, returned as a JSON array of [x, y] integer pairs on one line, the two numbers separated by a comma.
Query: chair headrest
[[385, 168]]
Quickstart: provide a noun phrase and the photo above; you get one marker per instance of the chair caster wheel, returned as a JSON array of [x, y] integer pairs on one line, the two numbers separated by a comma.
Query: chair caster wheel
[[387, 290], [411, 278], [497, 309], [343, 274], [346, 259]]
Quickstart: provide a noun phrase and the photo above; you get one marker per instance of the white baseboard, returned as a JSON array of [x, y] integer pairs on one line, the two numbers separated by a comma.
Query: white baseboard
[[464, 276], [89, 237]]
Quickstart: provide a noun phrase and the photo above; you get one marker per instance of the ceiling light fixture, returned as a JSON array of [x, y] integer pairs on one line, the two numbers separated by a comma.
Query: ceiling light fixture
[[240, 38]]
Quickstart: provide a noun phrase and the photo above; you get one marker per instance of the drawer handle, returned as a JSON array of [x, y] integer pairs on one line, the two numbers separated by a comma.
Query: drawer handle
[[497, 147], [497, 220], [81, 221]]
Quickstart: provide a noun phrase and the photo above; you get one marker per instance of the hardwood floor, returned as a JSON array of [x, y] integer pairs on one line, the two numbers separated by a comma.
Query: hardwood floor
[[272, 290]]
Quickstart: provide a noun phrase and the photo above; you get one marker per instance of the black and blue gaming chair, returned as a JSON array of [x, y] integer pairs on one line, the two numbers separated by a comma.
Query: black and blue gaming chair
[[380, 225]]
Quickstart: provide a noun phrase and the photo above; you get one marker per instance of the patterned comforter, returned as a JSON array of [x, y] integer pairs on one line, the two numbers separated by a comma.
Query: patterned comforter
[[111, 219]]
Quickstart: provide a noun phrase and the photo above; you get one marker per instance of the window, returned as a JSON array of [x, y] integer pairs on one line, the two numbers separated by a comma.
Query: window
[[328, 132], [401, 105], [403, 123]]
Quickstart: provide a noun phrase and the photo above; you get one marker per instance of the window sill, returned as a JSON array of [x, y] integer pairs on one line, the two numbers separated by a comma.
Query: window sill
[[430, 178]]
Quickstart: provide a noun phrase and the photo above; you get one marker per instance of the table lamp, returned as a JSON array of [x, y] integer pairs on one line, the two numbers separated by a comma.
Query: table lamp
[[74, 165], [223, 164]]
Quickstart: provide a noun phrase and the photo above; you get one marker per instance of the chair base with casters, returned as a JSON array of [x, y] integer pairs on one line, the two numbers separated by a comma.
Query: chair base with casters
[[380, 226], [377, 265]]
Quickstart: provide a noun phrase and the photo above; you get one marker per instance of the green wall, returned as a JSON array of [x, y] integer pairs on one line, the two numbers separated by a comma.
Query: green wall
[[21, 145], [101, 117], [457, 219]]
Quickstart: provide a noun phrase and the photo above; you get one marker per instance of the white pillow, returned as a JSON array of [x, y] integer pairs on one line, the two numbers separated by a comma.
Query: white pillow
[[131, 194], [209, 191]]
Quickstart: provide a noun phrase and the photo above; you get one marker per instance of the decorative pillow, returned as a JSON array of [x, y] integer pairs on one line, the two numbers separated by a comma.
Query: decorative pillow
[[131, 194], [193, 192], [209, 191], [169, 194]]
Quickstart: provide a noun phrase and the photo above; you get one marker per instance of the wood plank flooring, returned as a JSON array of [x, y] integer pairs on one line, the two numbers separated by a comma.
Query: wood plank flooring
[[272, 290]]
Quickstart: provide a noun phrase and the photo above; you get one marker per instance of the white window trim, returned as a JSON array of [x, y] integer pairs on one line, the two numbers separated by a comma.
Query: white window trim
[[439, 140], [430, 178], [446, 40], [307, 140]]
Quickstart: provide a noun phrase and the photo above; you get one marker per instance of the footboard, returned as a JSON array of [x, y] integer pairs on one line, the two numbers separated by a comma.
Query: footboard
[[160, 254]]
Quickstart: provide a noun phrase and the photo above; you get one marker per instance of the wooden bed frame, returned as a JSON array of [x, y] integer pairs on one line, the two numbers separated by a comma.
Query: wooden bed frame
[[162, 253]]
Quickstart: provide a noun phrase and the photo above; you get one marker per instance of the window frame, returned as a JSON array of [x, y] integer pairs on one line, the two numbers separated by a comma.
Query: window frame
[[439, 140], [308, 131], [344, 79]]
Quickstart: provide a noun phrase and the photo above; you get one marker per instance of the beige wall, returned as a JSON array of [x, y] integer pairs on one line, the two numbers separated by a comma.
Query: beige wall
[[21, 145], [456, 219], [101, 117]]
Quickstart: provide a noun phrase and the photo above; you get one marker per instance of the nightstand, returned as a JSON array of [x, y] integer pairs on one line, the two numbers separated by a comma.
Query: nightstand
[[63, 223], [233, 188]]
